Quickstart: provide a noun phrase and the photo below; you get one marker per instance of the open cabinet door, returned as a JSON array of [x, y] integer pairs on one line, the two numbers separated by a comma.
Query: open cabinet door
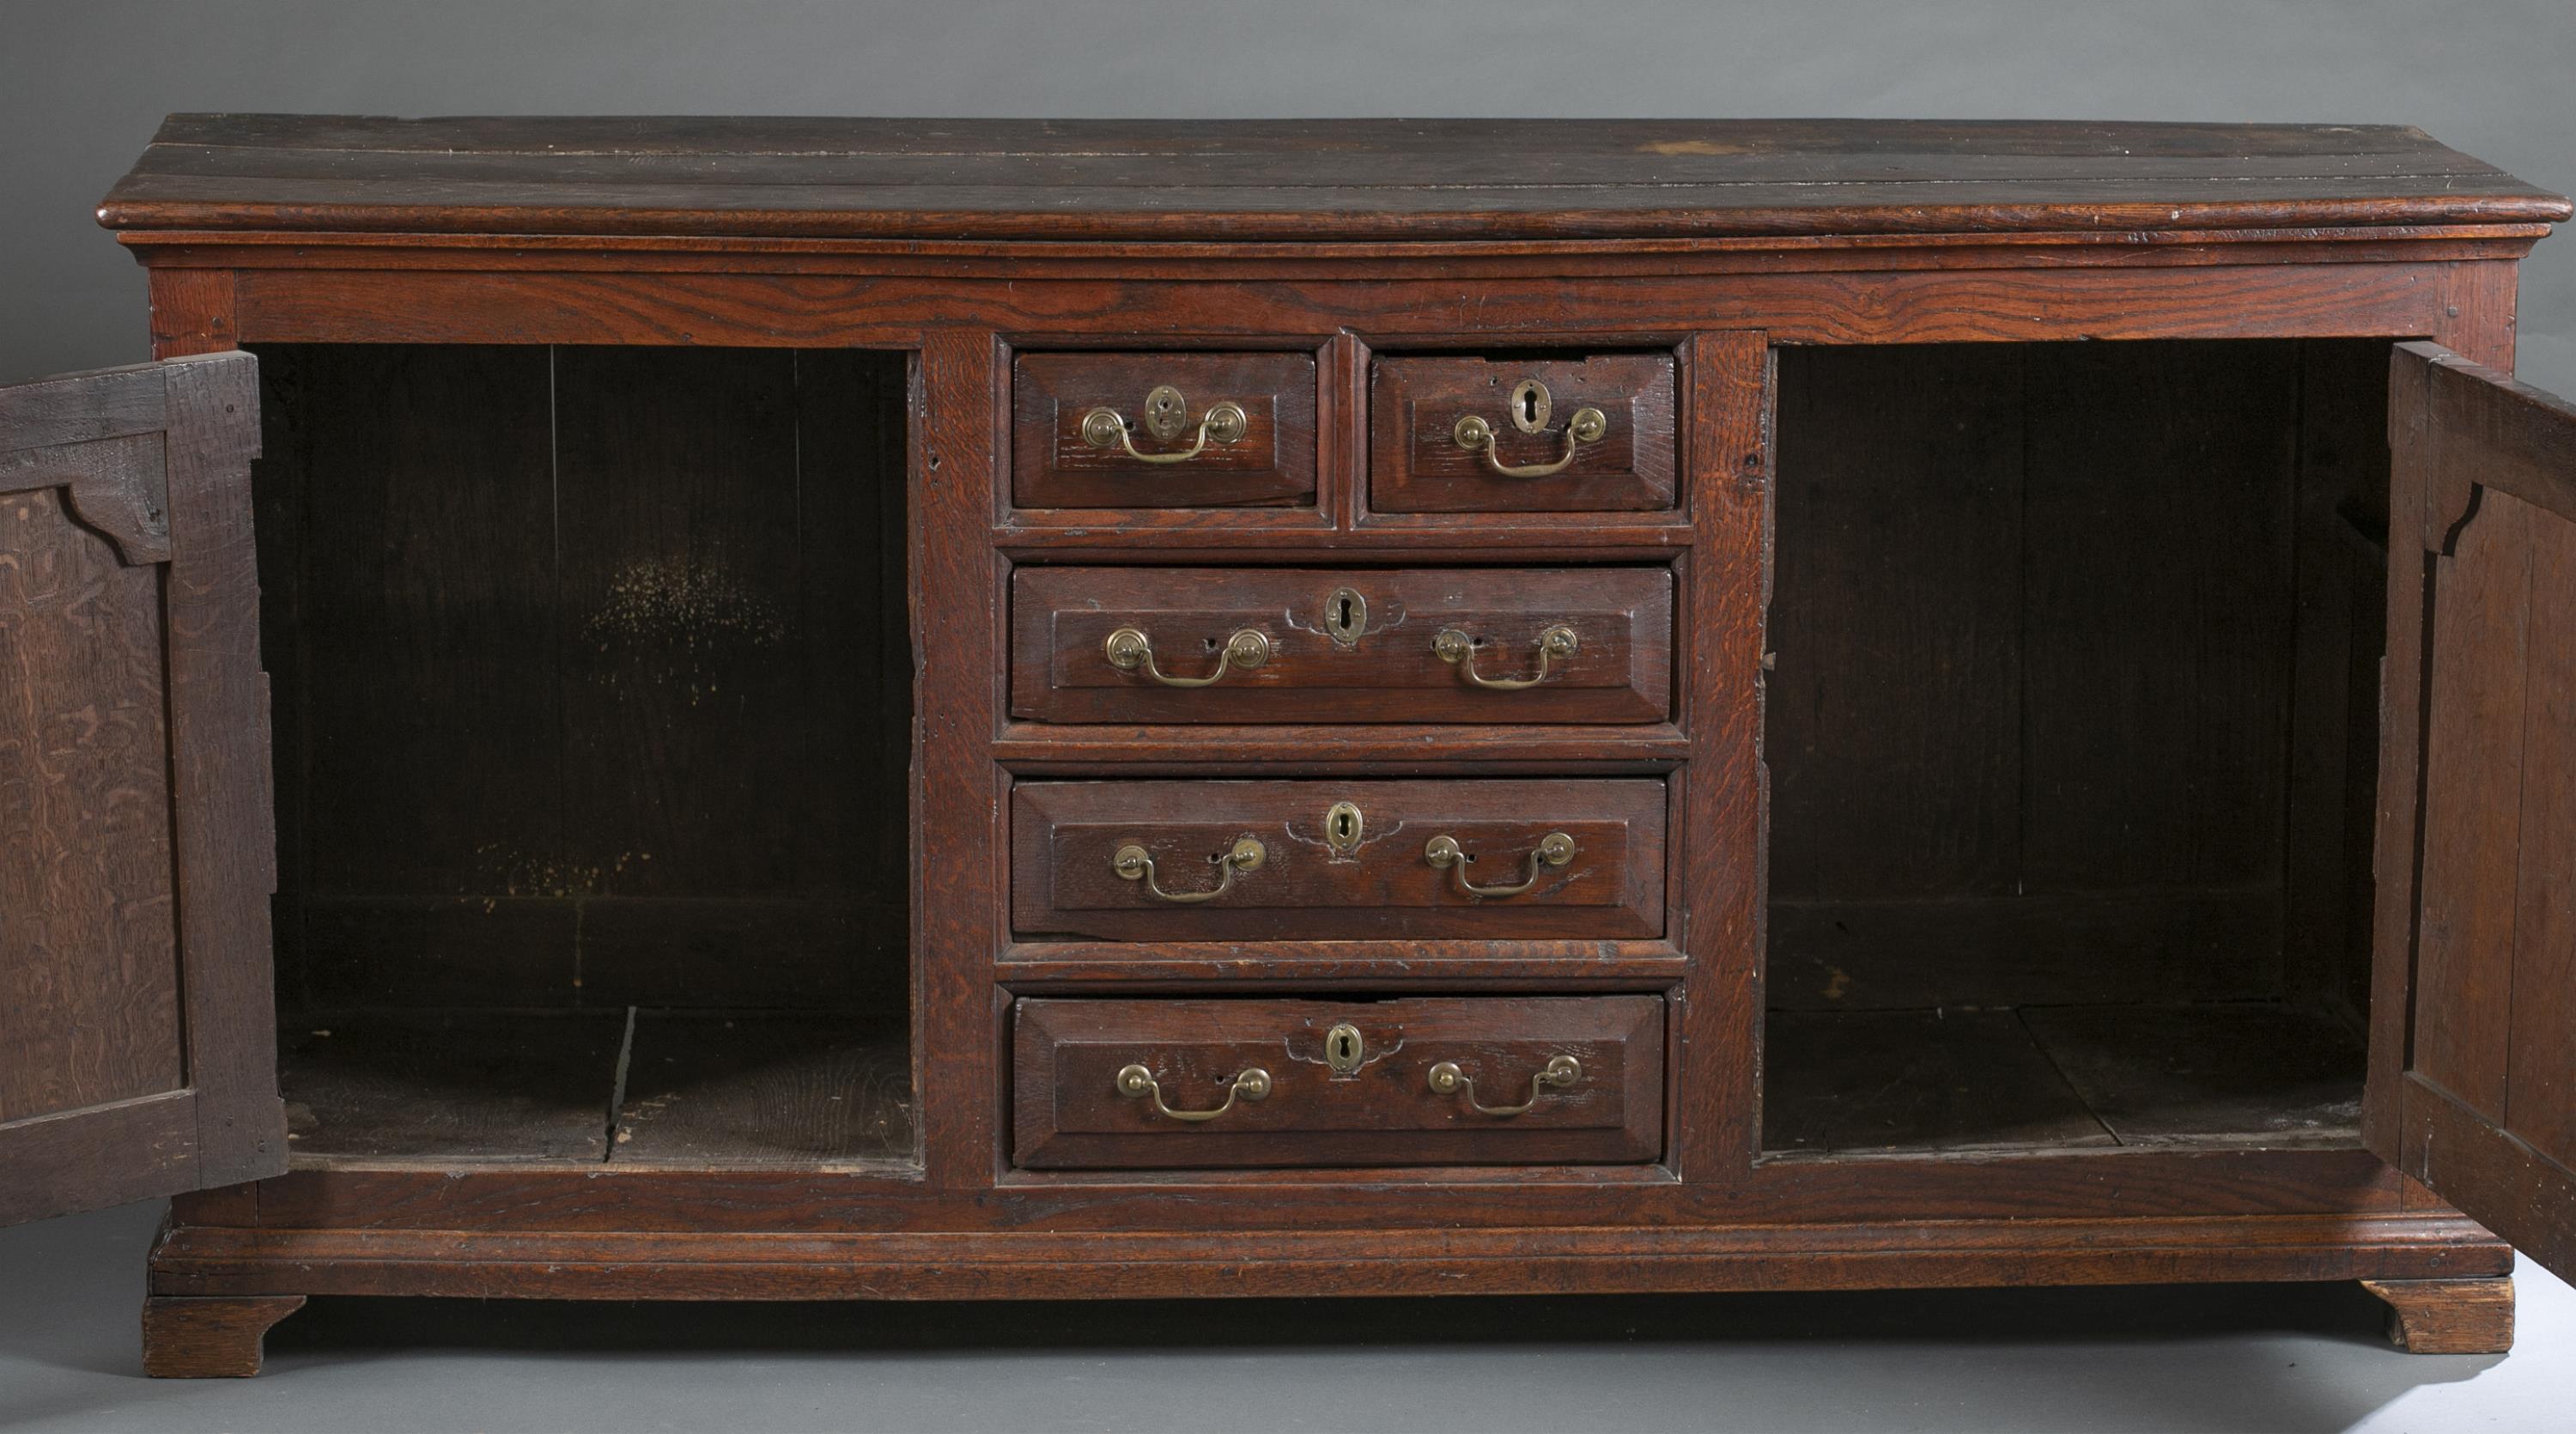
[[2473, 1077], [137, 1042]]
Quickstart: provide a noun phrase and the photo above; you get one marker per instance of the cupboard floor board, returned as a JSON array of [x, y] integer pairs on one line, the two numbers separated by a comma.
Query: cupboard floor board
[[2070, 1077], [765, 1090], [465, 1087], [543, 1088]]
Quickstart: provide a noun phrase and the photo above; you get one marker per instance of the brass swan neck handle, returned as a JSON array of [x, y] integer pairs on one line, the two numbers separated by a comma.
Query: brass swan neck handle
[[1560, 1071], [1445, 854], [1134, 863]]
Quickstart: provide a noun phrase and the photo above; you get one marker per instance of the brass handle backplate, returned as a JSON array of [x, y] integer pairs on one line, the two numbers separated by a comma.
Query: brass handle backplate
[[1134, 863], [1138, 1083], [1477, 436], [1166, 414], [1459, 650], [1447, 1079], [1444, 853], [1130, 650]]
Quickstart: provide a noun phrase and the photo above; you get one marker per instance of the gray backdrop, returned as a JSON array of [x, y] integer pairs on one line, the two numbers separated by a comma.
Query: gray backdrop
[[82, 83]]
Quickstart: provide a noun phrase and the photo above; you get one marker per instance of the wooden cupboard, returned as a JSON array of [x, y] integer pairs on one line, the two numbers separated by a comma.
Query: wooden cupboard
[[922, 709]]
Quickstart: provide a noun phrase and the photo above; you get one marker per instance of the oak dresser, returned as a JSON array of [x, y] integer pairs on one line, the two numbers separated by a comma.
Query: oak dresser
[[823, 709]]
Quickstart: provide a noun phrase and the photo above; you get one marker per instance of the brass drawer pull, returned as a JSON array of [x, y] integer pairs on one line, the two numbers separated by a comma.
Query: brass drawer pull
[[1130, 650], [1166, 413], [1459, 651], [1447, 1079], [1475, 434], [1138, 1083], [1444, 853], [1136, 864]]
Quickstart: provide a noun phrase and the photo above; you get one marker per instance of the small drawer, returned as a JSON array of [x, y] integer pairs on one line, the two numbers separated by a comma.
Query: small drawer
[[1470, 435], [1338, 860], [1162, 430], [1476, 1080], [1427, 645]]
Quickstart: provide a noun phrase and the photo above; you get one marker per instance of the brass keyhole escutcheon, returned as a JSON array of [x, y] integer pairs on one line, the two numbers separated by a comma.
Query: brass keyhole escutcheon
[[1342, 827], [1166, 412], [1344, 1048], [1530, 402], [1345, 617]]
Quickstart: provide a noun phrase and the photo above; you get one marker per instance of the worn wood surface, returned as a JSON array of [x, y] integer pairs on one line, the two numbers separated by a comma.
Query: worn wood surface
[[2484, 1111], [1065, 834], [765, 1089], [216, 1337], [1416, 464], [1070, 1113], [2164, 1074], [2136, 250], [1308, 179], [451, 1089], [1271, 462], [649, 602], [134, 825], [1386, 670], [2448, 1316], [1882, 1082]]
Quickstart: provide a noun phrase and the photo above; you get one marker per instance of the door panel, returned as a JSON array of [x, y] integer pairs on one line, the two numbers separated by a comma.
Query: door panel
[[2481, 1103], [135, 844]]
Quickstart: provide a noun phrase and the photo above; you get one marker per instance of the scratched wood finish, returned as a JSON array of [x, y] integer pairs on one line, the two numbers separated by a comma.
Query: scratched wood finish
[[1069, 1112], [134, 836], [2486, 1117], [1417, 464], [1749, 235], [1355, 644], [1272, 461], [1066, 834], [1254, 179]]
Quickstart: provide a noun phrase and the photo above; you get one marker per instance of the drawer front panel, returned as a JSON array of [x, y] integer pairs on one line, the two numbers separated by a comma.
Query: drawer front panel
[[1255, 412], [1479, 1080], [1531, 417], [1556, 645], [1338, 860]]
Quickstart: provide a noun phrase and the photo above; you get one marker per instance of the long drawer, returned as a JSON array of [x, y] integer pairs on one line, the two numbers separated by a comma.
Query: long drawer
[[1347, 860], [1143, 1084], [1320, 645]]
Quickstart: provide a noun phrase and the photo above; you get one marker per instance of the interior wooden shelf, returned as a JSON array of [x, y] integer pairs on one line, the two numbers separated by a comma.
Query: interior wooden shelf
[[545, 1088], [2058, 1078]]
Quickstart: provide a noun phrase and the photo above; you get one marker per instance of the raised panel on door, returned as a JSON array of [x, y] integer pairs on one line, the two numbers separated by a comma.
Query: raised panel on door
[[138, 1055], [2476, 1093]]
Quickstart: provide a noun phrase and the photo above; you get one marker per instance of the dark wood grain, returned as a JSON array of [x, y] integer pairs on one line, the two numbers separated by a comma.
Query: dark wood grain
[[1882, 1082], [1064, 835], [1416, 464], [1379, 179], [1272, 462], [744, 268], [766, 1089], [1387, 672], [2174, 1074], [2448, 1316], [451, 1089], [135, 852], [2483, 953], [217, 1337], [88, 958], [1069, 1112]]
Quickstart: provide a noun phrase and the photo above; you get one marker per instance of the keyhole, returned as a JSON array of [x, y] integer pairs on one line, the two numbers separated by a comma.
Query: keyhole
[[1529, 406], [1342, 1046], [1342, 825], [1342, 612]]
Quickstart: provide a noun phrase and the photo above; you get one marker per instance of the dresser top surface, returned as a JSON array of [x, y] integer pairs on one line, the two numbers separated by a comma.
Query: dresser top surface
[[1293, 180]]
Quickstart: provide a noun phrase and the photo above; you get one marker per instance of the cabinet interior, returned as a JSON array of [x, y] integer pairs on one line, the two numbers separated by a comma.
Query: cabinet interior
[[2072, 740], [591, 698]]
